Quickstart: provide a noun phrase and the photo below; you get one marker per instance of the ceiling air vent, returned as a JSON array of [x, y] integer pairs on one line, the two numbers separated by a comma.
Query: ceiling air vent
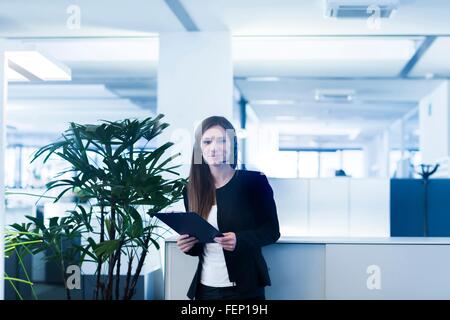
[[334, 95], [360, 9]]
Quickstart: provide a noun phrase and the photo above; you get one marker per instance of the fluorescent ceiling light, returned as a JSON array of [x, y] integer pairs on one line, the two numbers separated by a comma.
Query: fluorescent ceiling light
[[34, 65], [92, 50], [272, 102], [334, 95], [262, 79], [296, 49]]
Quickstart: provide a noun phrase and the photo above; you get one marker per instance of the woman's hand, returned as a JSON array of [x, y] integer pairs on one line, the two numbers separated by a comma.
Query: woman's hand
[[228, 241], [185, 243]]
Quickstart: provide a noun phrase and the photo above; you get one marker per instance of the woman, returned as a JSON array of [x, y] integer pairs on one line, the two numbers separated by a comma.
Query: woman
[[238, 203]]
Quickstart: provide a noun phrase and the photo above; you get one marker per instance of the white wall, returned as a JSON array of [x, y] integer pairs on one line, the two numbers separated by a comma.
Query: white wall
[[369, 207], [328, 207], [376, 155], [292, 201], [333, 206], [3, 102], [434, 117]]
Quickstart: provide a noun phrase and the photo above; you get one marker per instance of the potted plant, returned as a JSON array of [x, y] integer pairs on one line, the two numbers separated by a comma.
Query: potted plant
[[16, 248], [116, 198]]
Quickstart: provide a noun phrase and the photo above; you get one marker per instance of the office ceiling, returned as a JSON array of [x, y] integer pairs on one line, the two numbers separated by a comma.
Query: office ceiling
[[289, 103], [306, 17], [48, 18], [436, 60], [99, 18], [111, 79], [114, 57]]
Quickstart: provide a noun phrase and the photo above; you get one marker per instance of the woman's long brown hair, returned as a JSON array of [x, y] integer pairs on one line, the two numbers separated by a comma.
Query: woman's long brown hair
[[201, 188]]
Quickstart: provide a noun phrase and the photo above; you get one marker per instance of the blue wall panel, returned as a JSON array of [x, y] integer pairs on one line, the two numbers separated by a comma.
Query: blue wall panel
[[439, 208], [407, 207]]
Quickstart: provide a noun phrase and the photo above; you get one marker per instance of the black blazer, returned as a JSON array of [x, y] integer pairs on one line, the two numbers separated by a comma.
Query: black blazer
[[245, 206]]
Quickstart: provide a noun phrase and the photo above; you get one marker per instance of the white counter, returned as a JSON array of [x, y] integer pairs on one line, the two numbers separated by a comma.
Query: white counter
[[357, 240], [338, 268]]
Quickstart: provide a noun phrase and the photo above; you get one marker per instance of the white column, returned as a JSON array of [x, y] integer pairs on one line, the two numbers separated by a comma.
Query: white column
[[195, 80], [434, 117], [376, 155], [384, 154], [3, 100]]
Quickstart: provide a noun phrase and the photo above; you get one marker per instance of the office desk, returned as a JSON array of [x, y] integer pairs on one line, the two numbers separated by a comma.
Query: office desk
[[338, 268]]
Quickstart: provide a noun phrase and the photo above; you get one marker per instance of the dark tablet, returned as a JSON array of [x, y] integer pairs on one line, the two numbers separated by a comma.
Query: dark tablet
[[190, 223]]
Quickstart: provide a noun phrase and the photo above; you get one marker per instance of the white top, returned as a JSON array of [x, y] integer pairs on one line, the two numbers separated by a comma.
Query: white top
[[214, 270]]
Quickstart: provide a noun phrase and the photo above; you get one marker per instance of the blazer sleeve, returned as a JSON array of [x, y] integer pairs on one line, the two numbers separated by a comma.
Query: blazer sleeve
[[267, 230], [197, 249]]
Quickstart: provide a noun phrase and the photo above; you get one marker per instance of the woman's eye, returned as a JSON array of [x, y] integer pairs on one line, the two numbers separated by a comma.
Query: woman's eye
[[206, 141]]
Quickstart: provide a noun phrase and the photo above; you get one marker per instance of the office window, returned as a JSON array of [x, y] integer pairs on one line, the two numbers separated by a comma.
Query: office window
[[353, 163], [31, 173], [37, 174], [315, 164], [21, 173], [308, 164], [10, 166], [416, 159], [412, 157], [394, 158], [329, 163], [283, 165]]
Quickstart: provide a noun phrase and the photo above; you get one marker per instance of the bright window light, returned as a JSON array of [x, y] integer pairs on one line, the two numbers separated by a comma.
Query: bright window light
[[283, 165], [353, 163], [37, 65], [329, 163], [291, 48], [308, 164]]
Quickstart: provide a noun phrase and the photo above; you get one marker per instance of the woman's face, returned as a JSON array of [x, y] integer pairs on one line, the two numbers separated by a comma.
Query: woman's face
[[215, 145]]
